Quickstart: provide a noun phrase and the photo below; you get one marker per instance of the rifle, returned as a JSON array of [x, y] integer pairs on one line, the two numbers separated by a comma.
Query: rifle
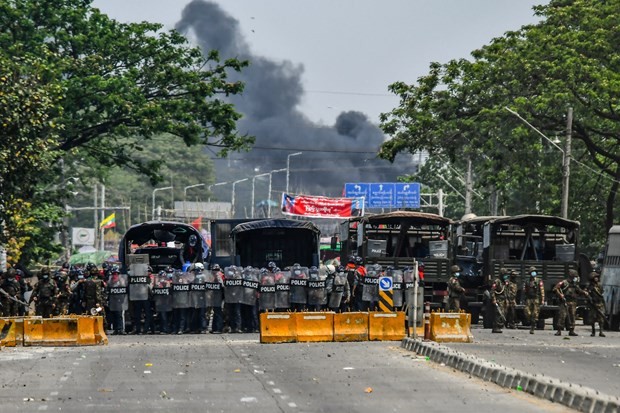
[[10, 297], [598, 311], [502, 317]]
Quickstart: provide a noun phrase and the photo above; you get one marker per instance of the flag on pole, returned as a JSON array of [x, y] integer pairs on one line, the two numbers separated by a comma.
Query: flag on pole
[[197, 223], [109, 221]]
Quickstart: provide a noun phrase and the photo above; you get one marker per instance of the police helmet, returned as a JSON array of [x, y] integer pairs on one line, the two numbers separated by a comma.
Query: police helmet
[[330, 269], [161, 273], [351, 259], [80, 273], [455, 268], [359, 261], [115, 269], [216, 267], [340, 268], [199, 267], [271, 265]]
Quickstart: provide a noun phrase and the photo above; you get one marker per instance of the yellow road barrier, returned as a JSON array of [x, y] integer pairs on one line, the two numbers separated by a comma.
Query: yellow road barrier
[[278, 328], [351, 327], [317, 326], [56, 331], [386, 326], [7, 332], [451, 327]]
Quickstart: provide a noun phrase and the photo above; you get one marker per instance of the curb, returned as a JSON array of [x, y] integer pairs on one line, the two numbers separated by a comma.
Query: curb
[[577, 397]]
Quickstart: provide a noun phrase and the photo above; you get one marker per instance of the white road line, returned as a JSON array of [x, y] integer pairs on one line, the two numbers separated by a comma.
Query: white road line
[[42, 407], [291, 404], [54, 393]]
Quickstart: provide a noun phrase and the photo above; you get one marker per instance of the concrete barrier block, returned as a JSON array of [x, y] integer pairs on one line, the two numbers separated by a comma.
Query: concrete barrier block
[[278, 328], [386, 326], [354, 327], [315, 327]]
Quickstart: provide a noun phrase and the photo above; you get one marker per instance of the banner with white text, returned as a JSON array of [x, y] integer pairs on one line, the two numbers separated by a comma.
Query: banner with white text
[[322, 207]]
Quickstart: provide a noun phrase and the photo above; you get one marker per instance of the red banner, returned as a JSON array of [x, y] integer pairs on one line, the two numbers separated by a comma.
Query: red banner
[[322, 207]]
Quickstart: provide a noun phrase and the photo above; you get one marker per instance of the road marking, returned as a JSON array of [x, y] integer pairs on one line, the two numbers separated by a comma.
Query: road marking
[[277, 391], [291, 404], [75, 363], [248, 400], [43, 407], [54, 393]]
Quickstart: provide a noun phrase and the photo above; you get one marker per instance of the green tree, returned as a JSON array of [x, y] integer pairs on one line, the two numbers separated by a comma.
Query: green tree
[[569, 59], [109, 88]]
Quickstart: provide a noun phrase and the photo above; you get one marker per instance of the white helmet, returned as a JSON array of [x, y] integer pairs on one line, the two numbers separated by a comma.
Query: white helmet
[[199, 266], [330, 269]]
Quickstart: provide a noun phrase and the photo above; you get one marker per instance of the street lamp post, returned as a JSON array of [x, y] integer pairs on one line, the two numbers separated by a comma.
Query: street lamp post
[[212, 185], [288, 167], [269, 195], [253, 180], [233, 195], [155, 190], [566, 154], [185, 196]]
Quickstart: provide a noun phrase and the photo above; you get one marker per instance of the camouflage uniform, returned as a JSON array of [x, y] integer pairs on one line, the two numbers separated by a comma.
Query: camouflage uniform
[[64, 294], [511, 300], [11, 288], [597, 304], [534, 293], [44, 294], [567, 291], [498, 299], [455, 290]]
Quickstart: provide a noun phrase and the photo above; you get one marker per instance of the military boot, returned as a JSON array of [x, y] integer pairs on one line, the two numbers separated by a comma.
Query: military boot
[[572, 333], [558, 333], [593, 331], [600, 332], [496, 330], [532, 329]]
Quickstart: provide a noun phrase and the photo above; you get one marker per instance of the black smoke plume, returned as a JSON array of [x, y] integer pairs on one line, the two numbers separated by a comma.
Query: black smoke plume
[[332, 155]]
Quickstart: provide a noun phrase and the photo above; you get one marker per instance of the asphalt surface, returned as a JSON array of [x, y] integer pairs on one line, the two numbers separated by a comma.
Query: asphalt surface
[[235, 373], [583, 360]]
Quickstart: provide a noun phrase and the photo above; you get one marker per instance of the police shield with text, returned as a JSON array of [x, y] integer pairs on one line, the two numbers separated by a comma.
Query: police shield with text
[[249, 316], [180, 300], [233, 294], [283, 290], [163, 300], [397, 287], [197, 298], [337, 288], [139, 289], [370, 292], [299, 287], [267, 290], [214, 296], [117, 300], [316, 288]]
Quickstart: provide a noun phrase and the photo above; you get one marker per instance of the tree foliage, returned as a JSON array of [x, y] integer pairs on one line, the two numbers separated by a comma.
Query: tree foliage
[[78, 86], [458, 111]]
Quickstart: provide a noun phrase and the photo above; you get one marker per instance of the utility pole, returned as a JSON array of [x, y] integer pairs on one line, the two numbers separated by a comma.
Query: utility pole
[[468, 187], [566, 162]]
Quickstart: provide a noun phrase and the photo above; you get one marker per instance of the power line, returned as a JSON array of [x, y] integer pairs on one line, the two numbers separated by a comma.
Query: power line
[[337, 92]]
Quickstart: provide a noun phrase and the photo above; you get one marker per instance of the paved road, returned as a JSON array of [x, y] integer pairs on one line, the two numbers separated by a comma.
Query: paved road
[[589, 361], [235, 373]]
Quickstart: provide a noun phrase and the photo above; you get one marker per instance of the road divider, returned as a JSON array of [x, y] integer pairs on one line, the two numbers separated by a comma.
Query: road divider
[[451, 328], [55, 331], [351, 326]]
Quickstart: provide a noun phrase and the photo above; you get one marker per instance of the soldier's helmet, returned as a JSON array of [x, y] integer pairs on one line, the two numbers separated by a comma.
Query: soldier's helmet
[[594, 276], [503, 271], [513, 274], [455, 268], [573, 273], [11, 272], [44, 271]]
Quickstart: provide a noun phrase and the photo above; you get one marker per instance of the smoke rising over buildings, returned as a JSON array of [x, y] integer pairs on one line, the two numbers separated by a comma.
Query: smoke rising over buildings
[[332, 155]]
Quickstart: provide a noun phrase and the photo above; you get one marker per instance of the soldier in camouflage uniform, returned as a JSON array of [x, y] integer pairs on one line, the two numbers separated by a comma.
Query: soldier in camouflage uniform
[[567, 291], [498, 300], [11, 292], [534, 293], [44, 294], [64, 293], [511, 288], [455, 290], [93, 295], [597, 304]]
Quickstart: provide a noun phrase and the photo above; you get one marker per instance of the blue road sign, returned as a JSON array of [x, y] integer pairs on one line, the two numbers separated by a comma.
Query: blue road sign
[[356, 190], [381, 195], [407, 195], [385, 283]]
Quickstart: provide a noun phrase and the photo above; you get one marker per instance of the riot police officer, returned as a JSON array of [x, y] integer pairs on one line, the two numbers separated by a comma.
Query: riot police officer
[[163, 300], [117, 299], [249, 314], [215, 297], [316, 288], [233, 294], [337, 288], [180, 300], [197, 297], [139, 294]]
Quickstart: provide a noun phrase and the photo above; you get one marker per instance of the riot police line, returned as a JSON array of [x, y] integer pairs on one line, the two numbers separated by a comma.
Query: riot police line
[[230, 299]]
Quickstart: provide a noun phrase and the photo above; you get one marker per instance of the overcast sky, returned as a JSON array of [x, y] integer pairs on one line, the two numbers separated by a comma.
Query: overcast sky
[[351, 50]]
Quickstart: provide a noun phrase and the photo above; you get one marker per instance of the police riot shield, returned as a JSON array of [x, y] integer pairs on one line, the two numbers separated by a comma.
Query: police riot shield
[[214, 285], [233, 285], [250, 285], [197, 291], [338, 285], [316, 286], [139, 281], [370, 292], [161, 293], [397, 287], [267, 291], [117, 292], [409, 279], [299, 285], [181, 289], [283, 289]]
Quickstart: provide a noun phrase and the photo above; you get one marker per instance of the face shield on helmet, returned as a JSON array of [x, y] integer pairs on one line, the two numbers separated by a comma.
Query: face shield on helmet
[[216, 267], [193, 240], [199, 267]]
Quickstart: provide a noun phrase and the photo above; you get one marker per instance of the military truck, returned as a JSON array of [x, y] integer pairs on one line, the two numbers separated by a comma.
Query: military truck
[[283, 241], [610, 277], [399, 238]]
